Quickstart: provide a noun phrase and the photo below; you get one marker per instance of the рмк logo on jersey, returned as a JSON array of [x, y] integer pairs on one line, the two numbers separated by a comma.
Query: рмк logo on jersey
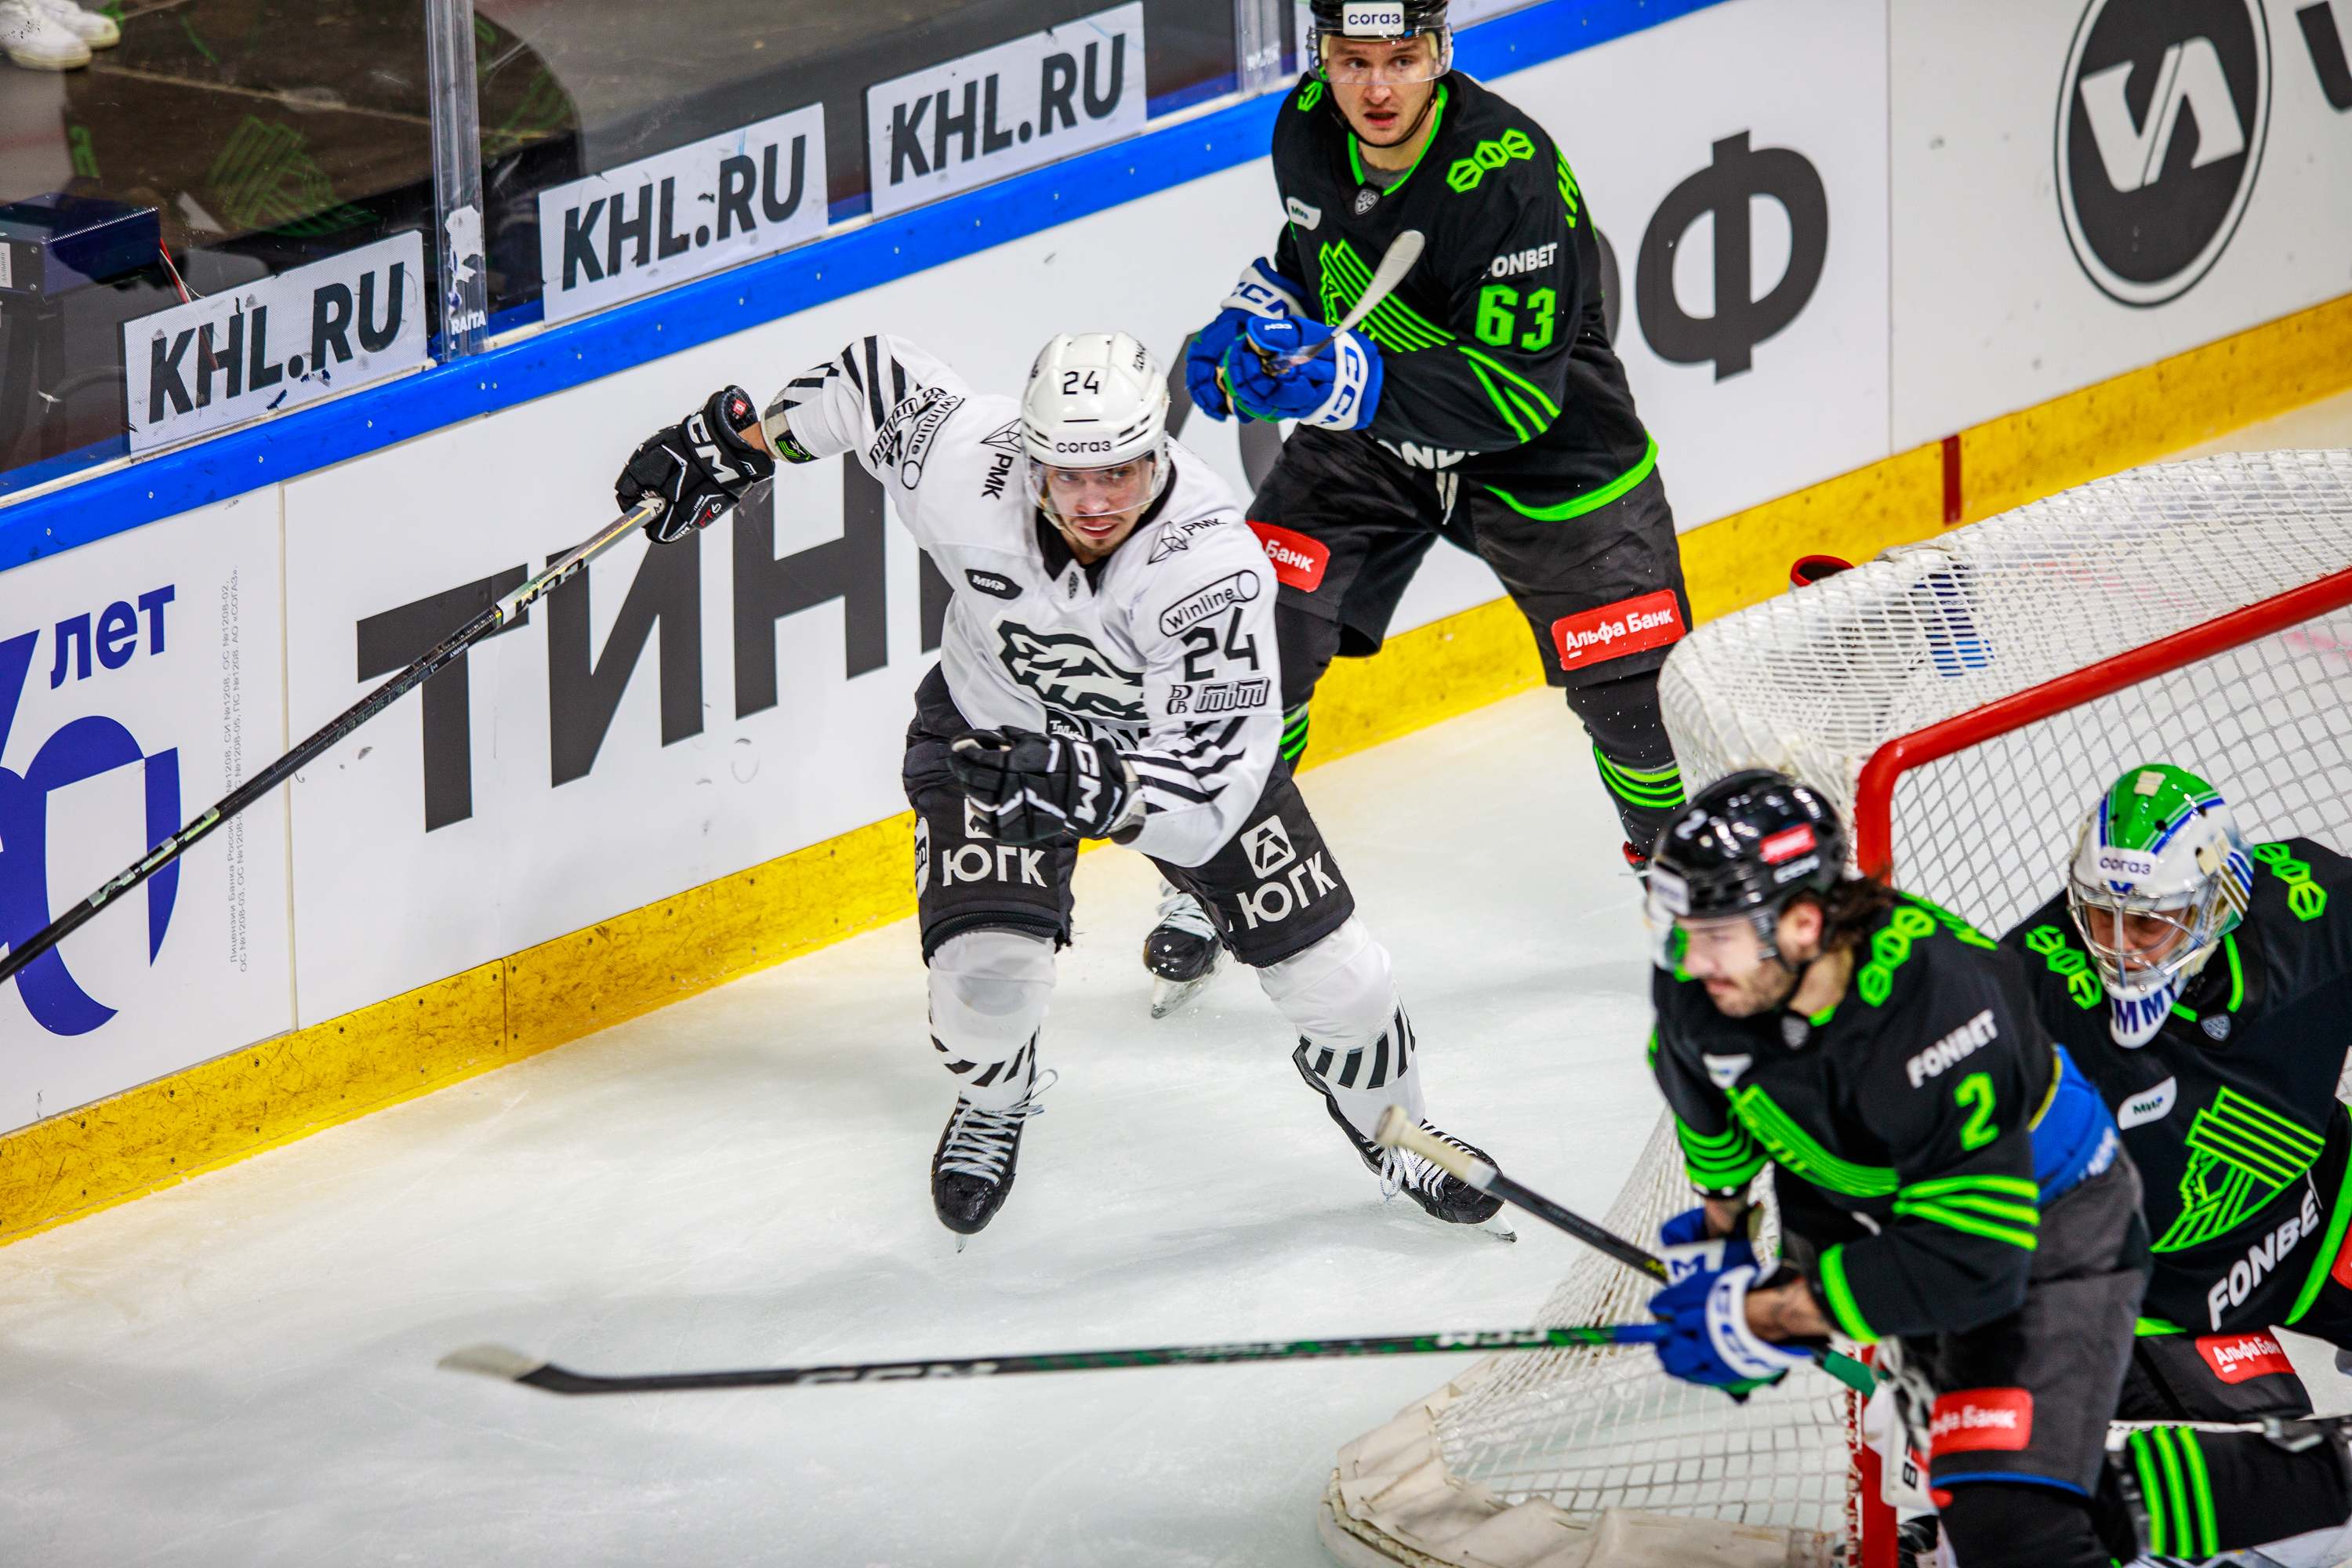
[[1070, 675], [2161, 133]]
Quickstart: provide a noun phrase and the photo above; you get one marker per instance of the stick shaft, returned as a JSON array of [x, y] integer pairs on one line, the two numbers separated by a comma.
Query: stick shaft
[[1403, 253], [562, 1380], [433, 661]]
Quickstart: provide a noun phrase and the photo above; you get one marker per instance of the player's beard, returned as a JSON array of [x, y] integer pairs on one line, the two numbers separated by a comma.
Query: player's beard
[[1760, 990]]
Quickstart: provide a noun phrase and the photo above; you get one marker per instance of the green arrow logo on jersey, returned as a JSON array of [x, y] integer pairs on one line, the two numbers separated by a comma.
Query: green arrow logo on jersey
[[2241, 1156]]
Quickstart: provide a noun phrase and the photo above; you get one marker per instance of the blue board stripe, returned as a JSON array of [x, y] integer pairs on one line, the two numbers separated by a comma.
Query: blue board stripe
[[707, 308]]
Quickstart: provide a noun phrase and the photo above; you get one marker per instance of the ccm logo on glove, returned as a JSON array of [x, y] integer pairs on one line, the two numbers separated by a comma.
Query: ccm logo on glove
[[1613, 631]]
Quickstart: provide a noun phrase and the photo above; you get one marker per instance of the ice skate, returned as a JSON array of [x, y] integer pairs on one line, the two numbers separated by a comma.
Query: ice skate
[[1182, 952], [1444, 1197], [973, 1169]]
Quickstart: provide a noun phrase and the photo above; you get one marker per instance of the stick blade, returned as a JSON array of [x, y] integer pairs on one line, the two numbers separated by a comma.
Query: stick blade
[[486, 1360]]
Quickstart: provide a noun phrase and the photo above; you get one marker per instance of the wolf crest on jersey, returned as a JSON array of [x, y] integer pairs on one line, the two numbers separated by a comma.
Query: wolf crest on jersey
[[1070, 673]]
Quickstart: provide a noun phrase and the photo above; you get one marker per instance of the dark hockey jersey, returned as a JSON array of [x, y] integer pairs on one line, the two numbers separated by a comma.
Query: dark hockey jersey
[[1899, 1122], [1496, 359], [2231, 1111]]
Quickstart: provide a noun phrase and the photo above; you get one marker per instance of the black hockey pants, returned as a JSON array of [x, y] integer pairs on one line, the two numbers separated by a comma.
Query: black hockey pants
[[1346, 522]]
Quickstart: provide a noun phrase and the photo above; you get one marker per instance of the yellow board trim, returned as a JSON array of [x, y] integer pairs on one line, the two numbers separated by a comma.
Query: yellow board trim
[[266, 1095]]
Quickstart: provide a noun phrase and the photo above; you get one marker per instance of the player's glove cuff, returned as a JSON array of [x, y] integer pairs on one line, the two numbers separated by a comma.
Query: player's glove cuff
[[1748, 1355], [1263, 291], [1687, 1249]]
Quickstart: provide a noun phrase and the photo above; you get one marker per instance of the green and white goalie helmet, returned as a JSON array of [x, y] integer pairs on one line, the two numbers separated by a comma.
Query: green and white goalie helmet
[[2159, 877]]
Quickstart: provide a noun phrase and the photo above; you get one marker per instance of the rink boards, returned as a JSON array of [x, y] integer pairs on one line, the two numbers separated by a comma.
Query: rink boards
[[688, 768]]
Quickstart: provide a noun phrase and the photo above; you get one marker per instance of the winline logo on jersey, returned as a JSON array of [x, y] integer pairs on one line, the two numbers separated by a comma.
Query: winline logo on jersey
[[2161, 122]]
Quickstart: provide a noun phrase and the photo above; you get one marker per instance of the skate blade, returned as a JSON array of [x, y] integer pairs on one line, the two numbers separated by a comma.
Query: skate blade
[[1167, 995]]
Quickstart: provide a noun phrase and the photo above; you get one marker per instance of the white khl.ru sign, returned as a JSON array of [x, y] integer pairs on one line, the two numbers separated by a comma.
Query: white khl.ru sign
[[277, 343], [1002, 111], [681, 213]]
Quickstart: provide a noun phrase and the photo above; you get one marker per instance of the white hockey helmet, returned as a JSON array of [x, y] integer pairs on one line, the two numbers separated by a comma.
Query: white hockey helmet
[[2160, 852], [1095, 400]]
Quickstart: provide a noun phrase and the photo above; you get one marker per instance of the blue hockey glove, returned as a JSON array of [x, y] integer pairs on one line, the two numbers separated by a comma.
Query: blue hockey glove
[[1261, 292], [1338, 389], [1711, 1342], [1688, 1251], [1205, 353]]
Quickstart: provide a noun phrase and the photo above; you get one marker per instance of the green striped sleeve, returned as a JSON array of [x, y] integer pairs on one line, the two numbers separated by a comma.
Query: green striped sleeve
[[1525, 408], [1997, 1208], [1840, 1296], [1722, 1161]]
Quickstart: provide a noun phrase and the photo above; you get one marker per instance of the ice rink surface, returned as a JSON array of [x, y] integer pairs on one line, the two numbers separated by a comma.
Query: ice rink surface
[[240, 1371]]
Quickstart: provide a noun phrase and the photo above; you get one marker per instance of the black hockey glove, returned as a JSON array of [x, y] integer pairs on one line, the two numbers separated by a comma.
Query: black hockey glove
[[701, 466], [1037, 788]]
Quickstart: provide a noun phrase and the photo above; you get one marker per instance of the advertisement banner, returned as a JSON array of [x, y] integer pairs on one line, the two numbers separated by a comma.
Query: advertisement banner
[[680, 214], [140, 682], [2085, 188], [276, 343], [1742, 213], [951, 127], [679, 712]]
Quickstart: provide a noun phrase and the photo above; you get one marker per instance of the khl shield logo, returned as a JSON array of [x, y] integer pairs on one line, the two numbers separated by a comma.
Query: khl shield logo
[[2165, 108]]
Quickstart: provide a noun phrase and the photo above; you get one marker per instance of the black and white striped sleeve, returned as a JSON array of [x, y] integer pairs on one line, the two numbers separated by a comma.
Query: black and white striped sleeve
[[866, 399]]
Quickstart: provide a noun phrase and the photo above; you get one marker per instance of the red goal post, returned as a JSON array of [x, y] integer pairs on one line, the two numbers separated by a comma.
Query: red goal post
[[1874, 804]]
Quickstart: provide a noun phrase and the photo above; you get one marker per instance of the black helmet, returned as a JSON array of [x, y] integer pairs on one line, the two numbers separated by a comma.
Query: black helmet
[[1746, 844], [1376, 19]]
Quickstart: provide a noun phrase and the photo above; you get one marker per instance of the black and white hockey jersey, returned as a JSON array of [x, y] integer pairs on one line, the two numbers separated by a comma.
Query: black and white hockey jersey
[[1166, 647], [1899, 1122], [2231, 1111]]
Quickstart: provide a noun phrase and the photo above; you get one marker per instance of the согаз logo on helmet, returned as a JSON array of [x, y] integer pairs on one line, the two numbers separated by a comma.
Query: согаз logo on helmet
[[2161, 121]]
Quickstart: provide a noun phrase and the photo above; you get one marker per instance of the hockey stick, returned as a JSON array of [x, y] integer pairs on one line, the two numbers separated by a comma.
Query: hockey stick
[[1403, 252], [502, 612], [1398, 1131], [514, 1366]]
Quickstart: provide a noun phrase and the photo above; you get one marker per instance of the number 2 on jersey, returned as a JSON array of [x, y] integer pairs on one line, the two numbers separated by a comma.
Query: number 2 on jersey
[[1976, 1093]]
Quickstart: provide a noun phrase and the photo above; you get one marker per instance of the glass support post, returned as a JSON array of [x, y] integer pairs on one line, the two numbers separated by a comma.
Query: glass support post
[[1257, 45], [457, 175]]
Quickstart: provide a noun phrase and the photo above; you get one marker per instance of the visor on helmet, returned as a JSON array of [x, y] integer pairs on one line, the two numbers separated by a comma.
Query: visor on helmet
[[1073, 492]]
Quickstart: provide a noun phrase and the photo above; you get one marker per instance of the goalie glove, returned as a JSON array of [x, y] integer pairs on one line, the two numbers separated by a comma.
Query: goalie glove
[[701, 466], [1037, 789], [1262, 294], [1711, 1342], [1338, 389]]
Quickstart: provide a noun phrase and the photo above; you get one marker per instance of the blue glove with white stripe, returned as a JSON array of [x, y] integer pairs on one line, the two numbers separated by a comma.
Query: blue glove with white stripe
[[1338, 389], [1262, 293], [1711, 1342]]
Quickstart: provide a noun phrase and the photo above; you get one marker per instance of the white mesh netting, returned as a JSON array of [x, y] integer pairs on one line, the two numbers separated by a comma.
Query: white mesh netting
[[1811, 684]]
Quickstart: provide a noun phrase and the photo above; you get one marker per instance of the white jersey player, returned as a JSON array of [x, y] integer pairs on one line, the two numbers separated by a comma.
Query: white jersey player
[[1109, 671]]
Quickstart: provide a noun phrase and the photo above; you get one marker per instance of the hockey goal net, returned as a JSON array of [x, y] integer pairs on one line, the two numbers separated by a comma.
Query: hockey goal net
[[1964, 700]]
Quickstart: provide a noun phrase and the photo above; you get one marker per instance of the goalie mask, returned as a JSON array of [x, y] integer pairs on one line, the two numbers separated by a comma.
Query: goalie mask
[[1340, 23], [2159, 877], [1094, 425], [1742, 850]]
